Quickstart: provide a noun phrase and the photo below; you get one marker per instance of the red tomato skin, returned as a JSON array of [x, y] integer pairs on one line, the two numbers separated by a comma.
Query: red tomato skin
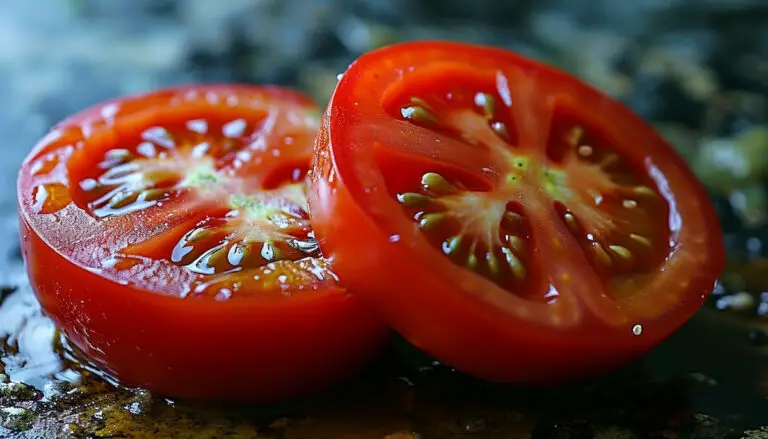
[[458, 335], [238, 350], [434, 312]]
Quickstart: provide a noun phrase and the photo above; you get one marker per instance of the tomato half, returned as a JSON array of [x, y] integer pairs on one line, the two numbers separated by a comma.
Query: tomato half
[[167, 235], [505, 217]]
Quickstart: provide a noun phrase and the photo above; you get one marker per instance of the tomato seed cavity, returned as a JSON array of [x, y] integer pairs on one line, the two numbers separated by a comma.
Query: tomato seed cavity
[[617, 220]]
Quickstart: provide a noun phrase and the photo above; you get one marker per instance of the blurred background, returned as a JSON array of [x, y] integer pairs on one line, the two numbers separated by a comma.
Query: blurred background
[[696, 69]]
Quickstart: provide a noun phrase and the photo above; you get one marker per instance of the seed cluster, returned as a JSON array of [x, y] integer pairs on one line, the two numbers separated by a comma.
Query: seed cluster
[[259, 229], [591, 231], [478, 231], [438, 208], [127, 185], [420, 112]]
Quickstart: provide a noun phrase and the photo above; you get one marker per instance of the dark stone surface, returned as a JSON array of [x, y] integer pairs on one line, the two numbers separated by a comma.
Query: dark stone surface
[[699, 65]]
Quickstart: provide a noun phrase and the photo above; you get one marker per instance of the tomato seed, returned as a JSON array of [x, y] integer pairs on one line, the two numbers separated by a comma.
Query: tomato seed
[[452, 245], [431, 220], [121, 199], [493, 263], [575, 135], [623, 252], [570, 221], [472, 259], [602, 256], [515, 243], [418, 114], [585, 150], [411, 199], [153, 194], [501, 130], [514, 263], [118, 155], [644, 190], [640, 239], [629, 204], [437, 184]]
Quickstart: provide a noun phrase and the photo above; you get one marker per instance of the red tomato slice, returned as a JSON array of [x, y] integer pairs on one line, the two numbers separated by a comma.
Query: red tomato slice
[[167, 234], [505, 217]]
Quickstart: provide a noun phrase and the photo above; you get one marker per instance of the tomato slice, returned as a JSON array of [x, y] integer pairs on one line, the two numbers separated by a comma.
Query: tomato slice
[[506, 218], [167, 234]]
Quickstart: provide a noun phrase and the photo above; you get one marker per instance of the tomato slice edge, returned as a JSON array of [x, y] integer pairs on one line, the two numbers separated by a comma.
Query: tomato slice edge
[[348, 107]]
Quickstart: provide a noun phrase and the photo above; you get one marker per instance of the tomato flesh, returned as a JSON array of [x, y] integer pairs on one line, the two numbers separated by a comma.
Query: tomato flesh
[[518, 224], [167, 234]]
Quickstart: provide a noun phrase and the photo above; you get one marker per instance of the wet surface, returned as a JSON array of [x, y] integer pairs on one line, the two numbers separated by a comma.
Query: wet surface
[[707, 381], [700, 83]]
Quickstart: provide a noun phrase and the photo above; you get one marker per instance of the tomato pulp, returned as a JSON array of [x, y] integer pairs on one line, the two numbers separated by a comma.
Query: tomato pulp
[[167, 235], [505, 217]]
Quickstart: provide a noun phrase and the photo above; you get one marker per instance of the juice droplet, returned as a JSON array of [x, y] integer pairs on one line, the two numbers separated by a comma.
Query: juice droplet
[[45, 165], [51, 197]]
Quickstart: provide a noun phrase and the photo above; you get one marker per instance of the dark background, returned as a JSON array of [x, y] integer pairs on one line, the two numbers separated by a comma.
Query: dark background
[[696, 69]]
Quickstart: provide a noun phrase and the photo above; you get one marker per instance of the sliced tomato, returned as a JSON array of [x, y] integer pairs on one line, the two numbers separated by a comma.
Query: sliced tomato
[[167, 235], [506, 218]]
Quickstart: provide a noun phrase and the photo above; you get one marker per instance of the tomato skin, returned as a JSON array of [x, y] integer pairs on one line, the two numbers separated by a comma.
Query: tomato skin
[[235, 351], [446, 311], [431, 314], [255, 350]]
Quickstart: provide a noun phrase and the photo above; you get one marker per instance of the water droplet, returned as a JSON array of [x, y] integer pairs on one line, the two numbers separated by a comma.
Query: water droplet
[[234, 129], [159, 135], [223, 294], [267, 252], [134, 408], [552, 293], [236, 254], [200, 150], [147, 149], [212, 97], [244, 155], [394, 238], [637, 329], [51, 197], [199, 126], [259, 144], [109, 111], [502, 87]]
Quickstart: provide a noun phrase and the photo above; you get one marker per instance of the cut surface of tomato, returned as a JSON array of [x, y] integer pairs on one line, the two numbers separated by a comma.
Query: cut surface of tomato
[[167, 235], [505, 217]]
